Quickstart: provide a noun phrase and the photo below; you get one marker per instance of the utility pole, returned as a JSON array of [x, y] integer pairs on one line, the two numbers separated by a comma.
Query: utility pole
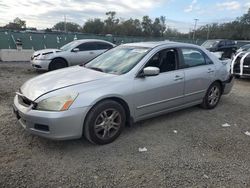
[[208, 31], [190, 32], [195, 24], [65, 27]]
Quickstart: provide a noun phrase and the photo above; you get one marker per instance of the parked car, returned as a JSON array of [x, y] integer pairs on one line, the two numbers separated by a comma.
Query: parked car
[[126, 84], [73, 53], [244, 48], [241, 64], [227, 47]]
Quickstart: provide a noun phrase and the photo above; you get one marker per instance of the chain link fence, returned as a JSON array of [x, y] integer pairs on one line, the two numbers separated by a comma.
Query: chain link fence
[[37, 41]]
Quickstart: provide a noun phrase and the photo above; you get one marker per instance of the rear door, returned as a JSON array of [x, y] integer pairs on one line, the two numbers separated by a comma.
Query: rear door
[[87, 52], [199, 73], [102, 47]]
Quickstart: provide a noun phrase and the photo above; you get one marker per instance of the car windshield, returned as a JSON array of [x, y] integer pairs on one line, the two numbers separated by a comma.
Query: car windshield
[[209, 43], [69, 46], [245, 48], [119, 60]]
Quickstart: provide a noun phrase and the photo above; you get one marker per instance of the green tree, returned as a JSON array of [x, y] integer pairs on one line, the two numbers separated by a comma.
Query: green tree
[[111, 23], [130, 27], [95, 26], [147, 26], [163, 25], [70, 26], [245, 19], [156, 28], [238, 29], [17, 24]]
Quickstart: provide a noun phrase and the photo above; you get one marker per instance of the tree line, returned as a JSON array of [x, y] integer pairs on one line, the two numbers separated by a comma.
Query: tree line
[[115, 26], [239, 29]]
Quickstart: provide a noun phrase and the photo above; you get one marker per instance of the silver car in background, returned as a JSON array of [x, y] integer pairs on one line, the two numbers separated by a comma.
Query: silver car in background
[[126, 84], [73, 53]]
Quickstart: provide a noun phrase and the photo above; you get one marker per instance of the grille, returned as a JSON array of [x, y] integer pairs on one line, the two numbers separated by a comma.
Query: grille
[[237, 65], [247, 60]]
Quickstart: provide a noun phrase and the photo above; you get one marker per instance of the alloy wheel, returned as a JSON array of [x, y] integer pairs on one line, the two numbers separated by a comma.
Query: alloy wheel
[[213, 96], [107, 124]]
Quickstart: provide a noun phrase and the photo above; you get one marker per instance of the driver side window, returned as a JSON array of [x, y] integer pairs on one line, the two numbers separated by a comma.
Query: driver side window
[[165, 60]]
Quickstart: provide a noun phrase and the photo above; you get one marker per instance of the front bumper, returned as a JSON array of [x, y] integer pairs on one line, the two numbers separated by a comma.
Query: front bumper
[[64, 125], [40, 64]]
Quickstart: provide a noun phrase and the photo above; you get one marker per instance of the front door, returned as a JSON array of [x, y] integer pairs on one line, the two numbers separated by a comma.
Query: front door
[[154, 94]]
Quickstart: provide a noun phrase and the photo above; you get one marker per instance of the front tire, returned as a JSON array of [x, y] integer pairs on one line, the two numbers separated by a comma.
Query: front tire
[[104, 122], [212, 96], [57, 63]]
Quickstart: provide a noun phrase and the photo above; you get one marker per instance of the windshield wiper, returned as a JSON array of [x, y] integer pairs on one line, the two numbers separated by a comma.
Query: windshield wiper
[[95, 68]]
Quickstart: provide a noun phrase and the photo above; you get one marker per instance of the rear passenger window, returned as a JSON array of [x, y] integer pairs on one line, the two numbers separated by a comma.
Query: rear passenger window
[[192, 58], [87, 46], [103, 46], [208, 60]]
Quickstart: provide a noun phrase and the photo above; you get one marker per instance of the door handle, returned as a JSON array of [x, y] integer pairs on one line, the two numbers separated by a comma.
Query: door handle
[[178, 77], [91, 52], [210, 71]]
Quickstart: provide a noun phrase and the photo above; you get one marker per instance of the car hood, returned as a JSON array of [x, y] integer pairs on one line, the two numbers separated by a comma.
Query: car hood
[[40, 85]]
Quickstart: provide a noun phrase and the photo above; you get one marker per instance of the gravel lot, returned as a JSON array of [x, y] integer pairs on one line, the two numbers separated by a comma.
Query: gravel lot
[[188, 148]]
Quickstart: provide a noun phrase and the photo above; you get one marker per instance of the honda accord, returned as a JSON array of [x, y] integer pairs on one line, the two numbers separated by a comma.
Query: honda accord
[[126, 84]]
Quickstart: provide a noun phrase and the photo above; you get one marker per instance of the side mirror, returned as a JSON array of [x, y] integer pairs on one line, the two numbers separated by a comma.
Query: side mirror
[[151, 71], [76, 50]]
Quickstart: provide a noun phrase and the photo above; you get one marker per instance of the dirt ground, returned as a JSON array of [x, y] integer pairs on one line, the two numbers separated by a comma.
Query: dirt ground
[[188, 148]]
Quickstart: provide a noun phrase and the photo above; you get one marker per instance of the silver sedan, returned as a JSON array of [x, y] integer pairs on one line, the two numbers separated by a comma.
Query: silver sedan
[[129, 83], [73, 53]]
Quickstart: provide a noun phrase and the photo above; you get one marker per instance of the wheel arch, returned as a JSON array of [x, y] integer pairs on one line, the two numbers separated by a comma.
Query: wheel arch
[[221, 85], [118, 100], [60, 58]]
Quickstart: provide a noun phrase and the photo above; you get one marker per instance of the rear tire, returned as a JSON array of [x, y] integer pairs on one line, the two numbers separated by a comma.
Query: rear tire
[[104, 122], [237, 76], [212, 96], [57, 63]]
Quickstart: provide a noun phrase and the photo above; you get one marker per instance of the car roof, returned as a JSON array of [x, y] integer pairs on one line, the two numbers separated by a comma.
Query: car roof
[[92, 40], [246, 45], [220, 40], [154, 44]]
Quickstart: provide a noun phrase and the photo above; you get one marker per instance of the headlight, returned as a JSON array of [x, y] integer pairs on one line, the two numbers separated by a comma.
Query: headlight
[[44, 57], [58, 103]]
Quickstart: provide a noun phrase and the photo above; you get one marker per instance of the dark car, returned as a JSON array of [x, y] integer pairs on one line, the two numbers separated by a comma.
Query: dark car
[[227, 47]]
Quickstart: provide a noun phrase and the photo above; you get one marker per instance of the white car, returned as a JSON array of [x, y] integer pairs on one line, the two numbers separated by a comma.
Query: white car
[[73, 53]]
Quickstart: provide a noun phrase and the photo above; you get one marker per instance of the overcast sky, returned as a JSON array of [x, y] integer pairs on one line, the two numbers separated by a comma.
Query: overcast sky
[[180, 14]]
